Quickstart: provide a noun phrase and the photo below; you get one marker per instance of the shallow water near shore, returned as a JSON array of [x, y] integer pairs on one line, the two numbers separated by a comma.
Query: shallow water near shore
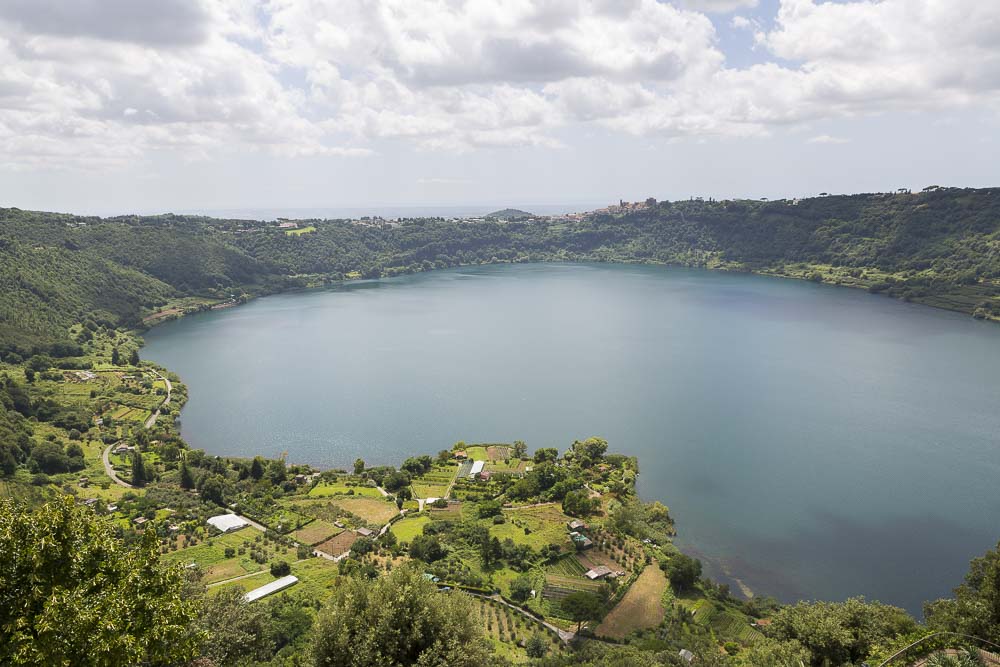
[[811, 441]]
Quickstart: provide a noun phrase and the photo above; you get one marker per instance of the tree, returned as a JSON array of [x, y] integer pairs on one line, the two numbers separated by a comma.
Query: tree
[[840, 633], [399, 619], [236, 632], [771, 653], [578, 503], [520, 588], [975, 609], [187, 480], [581, 607], [213, 489], [426, 548], [683, 571], [116, 358], [50, 457], [138, 469], [257, 468], [590, 450], [133, 358], [395, 481], [280, 569], [359, 466], [72, 593], [546, 454], [537, 647], [362, 546], [519, 450]]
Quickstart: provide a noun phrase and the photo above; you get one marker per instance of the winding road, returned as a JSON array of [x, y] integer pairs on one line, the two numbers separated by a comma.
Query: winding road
[[109, 469]]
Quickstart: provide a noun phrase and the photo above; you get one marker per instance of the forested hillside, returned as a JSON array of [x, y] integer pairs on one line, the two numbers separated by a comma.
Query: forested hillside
[[940, 247]]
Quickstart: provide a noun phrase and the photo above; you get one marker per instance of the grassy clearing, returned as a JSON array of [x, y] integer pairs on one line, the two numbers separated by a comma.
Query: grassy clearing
[[300, 231], [338, 488], [373, 511], [641, 608], [409, 527]]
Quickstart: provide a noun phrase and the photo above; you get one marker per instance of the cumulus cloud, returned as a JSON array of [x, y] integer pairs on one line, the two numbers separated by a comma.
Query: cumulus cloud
[[718, 6], [109, 82]]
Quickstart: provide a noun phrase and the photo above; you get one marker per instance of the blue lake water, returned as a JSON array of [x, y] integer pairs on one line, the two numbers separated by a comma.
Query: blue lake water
[[811, 441]]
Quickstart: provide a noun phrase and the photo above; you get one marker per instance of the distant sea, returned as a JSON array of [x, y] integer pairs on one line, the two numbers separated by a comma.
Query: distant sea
[[468, 211]]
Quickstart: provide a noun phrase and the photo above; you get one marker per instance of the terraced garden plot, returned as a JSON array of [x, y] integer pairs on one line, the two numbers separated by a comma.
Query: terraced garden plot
[[735, 626], [434, 483], [592, 558], [558, 587], [315, 532], [338, 544], [451, 511], [641, 608], [509, 630], [567, 566], [327, 489], [546, 525], [514, 467], [409, 527], [498, 452]]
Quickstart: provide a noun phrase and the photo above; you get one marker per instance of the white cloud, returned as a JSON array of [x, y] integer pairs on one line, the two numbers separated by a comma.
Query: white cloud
[[104, 83], [718, 6], [827, 139]]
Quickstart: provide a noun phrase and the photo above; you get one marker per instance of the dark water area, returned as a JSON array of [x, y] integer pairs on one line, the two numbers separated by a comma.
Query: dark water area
[[812, 441]]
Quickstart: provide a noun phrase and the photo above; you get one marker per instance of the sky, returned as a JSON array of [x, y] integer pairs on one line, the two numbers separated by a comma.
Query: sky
[[120, 106]]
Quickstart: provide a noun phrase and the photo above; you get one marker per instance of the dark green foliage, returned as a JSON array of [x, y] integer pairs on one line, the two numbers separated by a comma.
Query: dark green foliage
[[399, 619], [579, 503], [72, 593], [683, 571], [840, 633], [186, 478], [280, 569], [426, 548], [139, 476], [975, 609], [581, 607]]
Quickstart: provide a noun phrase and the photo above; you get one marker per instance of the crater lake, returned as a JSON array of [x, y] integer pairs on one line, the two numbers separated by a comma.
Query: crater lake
[[811, 441]]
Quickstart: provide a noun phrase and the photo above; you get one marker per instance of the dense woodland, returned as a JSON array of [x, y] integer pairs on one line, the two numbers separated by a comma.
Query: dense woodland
[[113, 563], [940, 247]]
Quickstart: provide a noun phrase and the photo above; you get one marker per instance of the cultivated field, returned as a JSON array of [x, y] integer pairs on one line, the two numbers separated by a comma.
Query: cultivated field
[[338, 544], [315, 532], [641, 608], [509, 630]]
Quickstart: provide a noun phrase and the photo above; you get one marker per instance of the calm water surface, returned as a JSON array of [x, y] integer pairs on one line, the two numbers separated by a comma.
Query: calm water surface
[[812, 441]]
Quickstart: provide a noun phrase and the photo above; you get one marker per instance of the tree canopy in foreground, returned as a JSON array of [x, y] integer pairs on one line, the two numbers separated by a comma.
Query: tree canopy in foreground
[[71, 593]]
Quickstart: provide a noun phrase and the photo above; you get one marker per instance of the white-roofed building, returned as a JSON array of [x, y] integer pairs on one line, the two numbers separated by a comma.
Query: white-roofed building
[[477, 467], [273, 587], [227, 522]]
